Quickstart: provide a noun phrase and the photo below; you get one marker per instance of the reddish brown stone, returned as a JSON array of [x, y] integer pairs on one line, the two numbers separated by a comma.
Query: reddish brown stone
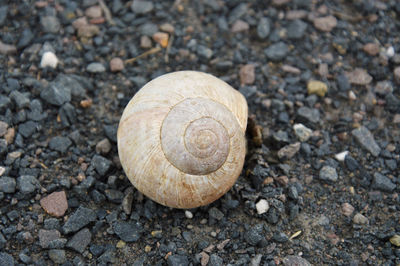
[[325, 23], [116, 64], [55, 204], [371, 48], [247, 75]]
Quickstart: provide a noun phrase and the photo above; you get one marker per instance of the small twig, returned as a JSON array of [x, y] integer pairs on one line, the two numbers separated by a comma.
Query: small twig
[[168, 48], [149, 52], [107, 12]]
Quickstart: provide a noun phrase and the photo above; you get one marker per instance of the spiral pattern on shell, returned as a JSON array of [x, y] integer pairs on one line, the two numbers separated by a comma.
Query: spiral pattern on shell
[[181, 139]]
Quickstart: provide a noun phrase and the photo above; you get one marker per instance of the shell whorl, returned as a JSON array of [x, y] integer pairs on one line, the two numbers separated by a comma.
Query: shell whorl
[[181, 138]]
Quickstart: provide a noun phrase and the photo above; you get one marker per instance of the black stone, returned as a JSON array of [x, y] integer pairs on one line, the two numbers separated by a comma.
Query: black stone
[[6, 259], [383, 183], [80, 240], [178, 260], [277, 52], [60, 144], [128, 231], [80, 218], [101, 164]]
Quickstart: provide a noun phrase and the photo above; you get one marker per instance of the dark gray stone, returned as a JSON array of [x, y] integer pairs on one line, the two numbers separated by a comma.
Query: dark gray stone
[[5, 103], [204, 52], [238, 12], [108, 257], [215, 260], [142, 7], [178, 260], [67, 114], [56, 94], [101, 164], [293, 193], [80, 240], [280, 237], [343, 82], [366, 140], [20, 99], [50, 24], [6, 259], [277, 51], [296, 29], [3, 241], [36, 111], [3, 14], [383, 183], [27, 184], [128, 231], [47, 236], [114, 195], [57, 256], [215, 213], [27, 129], [79, 219], [295, 261], [254, 235], [60, 144], [7, 184], [263, 28], [25, 39], [111, 132], [308, 114], [57, 243]]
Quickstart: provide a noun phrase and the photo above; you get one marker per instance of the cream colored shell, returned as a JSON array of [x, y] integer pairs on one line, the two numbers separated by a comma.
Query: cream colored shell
[[181, 139]]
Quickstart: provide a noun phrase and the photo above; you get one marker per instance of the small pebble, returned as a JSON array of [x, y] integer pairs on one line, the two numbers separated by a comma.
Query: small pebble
[[347, 209], [247, 74], [161, 38], [55, 204], [359, 76], [289, 151], [302, 132], [93, 12], [317, 87], [396, 73], [116, 64], [295, 261], [328, 173], [371, 48], [239, 26], [341, 156], [360, 219], [95, 68], [262, 206], [366, 140], [49, 59], [395, 240], [188, 214], [325, 23], [263, 28]]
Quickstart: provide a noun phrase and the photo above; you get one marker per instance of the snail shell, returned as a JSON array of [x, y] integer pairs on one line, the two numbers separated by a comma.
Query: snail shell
[[181, 139]]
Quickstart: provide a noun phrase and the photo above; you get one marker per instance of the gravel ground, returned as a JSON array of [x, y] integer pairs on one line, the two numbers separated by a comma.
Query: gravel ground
[[321, 180]]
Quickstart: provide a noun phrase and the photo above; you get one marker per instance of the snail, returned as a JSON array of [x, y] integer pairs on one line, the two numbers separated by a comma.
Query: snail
[[181, 139]]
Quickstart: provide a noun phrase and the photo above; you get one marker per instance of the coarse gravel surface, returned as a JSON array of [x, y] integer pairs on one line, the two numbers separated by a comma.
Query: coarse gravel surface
[[321, 180]]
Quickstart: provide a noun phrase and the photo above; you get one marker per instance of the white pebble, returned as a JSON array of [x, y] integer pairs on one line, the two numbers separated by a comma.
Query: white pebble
[[352, 96], [2, 170], [341, 155], [49, 59], [302, 132], [262, 206], [390, 51], [188, 214]]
